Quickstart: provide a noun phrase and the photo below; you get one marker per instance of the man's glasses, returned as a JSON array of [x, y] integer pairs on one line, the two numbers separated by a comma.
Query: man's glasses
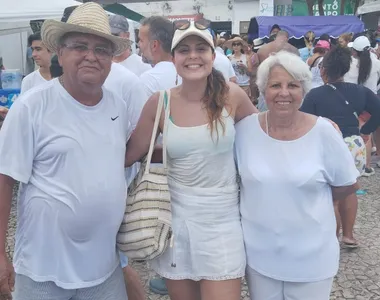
[[101, 53], [201, 24], [236, 44]]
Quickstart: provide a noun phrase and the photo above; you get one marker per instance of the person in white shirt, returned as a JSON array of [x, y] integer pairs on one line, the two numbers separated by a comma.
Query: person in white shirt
[[222, 63], [155, 39], [364, 70], [65, 141], [42, 57], [365, 67], [287, 193], [133, 62]]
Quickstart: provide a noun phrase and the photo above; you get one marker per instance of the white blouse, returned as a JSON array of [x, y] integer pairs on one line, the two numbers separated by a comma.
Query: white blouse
[[286, 200]]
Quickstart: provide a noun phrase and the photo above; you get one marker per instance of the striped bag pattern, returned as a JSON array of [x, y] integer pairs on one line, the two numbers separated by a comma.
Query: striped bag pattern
[[146, 230]]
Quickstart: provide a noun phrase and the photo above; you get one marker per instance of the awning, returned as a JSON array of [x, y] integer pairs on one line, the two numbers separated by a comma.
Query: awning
[[120, 9], [297, 26], [369, 8]]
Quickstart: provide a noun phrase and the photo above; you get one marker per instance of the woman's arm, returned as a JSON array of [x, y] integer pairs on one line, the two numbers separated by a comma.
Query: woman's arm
[[372, 106], [138, 144], [244, 105], [342, 192]]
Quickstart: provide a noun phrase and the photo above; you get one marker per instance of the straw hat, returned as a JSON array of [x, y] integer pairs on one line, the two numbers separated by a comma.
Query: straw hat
[[235, 40], [88, 18]]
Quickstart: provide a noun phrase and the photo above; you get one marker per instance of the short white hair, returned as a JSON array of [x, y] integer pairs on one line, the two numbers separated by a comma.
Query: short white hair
[[292, 63]]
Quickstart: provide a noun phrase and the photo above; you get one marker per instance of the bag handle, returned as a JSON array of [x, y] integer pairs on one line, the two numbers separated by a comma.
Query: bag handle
[[163, 94], [344, 99]]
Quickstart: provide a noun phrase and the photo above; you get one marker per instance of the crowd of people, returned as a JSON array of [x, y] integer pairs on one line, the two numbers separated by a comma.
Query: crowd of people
[[247, 199]]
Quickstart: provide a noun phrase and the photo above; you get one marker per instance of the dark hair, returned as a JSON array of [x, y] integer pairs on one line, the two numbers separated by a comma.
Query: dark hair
[[160, 29], [275, 26], [215, 99], [34, 37], [272, 38], [55, 69], [365, 65], [336, 63], [325, 37]]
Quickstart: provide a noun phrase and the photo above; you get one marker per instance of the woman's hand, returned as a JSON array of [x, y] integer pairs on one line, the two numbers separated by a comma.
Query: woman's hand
[[3, 112]]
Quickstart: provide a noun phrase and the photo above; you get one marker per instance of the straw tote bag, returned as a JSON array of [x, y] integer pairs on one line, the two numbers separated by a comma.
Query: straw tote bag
[[146, 228]]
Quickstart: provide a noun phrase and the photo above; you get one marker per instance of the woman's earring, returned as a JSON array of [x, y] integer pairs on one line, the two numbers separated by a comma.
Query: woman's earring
[[176, 79]]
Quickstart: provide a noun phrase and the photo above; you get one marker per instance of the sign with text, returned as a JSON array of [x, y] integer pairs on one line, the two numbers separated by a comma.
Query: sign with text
[[185, 17]]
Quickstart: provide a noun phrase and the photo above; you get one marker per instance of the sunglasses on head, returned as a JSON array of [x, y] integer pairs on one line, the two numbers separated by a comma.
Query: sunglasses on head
[[201, 24], [236, 44]]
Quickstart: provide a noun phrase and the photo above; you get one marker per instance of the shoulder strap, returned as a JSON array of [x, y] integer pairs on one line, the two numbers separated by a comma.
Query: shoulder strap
[[314, 61], [340, 95], [155, 129], [165, 129]]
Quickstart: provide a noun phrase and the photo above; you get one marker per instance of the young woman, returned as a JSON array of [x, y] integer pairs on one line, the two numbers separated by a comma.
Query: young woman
[[364, 70], [208, 240], [241, 63]]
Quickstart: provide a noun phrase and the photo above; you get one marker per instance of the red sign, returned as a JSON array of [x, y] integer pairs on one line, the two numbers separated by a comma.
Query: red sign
[[185, 17]]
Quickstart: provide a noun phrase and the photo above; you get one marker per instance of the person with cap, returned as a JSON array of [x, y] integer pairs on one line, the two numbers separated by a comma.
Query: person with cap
[[222, 63], [364, 70], [207, 260], [314, 62], [133, 62], [42, 57], [65, 142]]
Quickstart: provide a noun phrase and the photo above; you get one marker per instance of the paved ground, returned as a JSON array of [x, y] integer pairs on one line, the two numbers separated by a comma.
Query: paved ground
[[359, 275]]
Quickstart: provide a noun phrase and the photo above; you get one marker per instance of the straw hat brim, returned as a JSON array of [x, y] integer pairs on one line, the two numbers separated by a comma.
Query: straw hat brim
[[235, 40], [52, 31]]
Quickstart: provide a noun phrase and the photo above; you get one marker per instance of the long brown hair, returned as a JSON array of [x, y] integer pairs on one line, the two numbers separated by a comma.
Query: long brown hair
[[215, 99]]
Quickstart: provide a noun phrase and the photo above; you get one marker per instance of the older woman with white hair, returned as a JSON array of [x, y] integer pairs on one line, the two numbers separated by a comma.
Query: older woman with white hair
[[293, 166]]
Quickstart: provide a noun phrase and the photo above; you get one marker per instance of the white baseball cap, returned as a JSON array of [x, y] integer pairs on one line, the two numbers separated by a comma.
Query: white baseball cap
[[360, 43], [180, 35]]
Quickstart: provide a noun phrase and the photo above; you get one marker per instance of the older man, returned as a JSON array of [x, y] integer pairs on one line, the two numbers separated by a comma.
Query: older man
[[65, 142]]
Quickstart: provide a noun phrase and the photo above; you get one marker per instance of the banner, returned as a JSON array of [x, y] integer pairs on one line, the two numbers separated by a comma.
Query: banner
[[266, 8]]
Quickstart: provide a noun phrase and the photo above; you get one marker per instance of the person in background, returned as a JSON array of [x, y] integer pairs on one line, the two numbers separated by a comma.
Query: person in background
[[274, 30], [257, 44], [133, 62], [287, 192], [30, 66], [342, 102], [219, 44], [241, 63], [55, 68], [1, 68], [320, 49], [222, 63], [344, 39], [307, 51], [364, 70], [155, 40], [42, 57]]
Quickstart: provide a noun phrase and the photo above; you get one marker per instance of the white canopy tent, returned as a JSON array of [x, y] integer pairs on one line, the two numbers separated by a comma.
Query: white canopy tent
[[369, 7]]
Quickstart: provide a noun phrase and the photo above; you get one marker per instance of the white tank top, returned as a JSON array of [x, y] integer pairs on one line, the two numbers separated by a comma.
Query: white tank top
[[197, 160]]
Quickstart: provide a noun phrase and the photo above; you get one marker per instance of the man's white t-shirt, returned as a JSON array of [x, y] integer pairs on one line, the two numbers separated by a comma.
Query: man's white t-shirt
[[286, 201], [33, 79], [69, 159], [161, 77], [135, 64], [224, 65], [128, 86], [374, 76]]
